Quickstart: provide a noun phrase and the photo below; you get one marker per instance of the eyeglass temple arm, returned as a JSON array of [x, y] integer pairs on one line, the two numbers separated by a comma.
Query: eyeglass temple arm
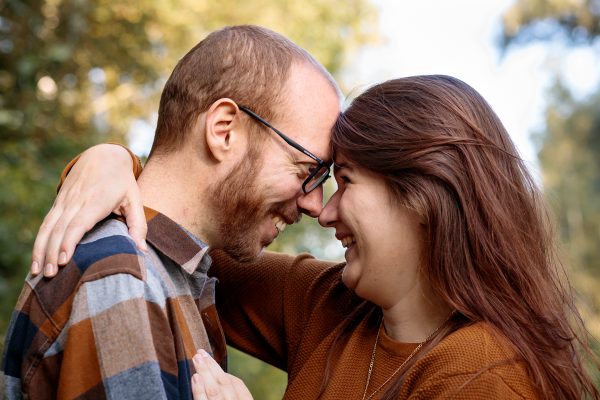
[[287, 139]]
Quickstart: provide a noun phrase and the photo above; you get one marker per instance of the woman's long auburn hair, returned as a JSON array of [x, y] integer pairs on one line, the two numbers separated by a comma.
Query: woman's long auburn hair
[[490, 251]]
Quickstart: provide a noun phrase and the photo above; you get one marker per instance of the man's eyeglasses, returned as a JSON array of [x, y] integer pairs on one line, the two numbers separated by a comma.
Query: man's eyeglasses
[[318, 174]]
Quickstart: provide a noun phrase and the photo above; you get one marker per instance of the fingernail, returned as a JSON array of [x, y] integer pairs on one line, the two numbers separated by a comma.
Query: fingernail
[[48, 270], [144, 246], [197, 358], [35, 268], [196, 378], [203, 353], [62, 258]]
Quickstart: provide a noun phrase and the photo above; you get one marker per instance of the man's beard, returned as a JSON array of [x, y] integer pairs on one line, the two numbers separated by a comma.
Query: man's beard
[[239, 207]]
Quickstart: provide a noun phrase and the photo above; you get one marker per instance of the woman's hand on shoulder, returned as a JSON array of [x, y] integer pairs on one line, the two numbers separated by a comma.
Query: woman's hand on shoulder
[[100, 182]]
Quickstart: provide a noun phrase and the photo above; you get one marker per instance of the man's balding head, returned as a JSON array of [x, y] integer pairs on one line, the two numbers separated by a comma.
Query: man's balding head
[[248, 64]]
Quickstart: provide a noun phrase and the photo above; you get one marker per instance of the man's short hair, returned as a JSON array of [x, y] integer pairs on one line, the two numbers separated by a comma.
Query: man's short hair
[[248, 64]]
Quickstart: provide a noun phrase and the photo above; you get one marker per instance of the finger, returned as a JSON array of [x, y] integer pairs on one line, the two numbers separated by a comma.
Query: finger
[[53, 246], [211, 364], [132, 210], [241, 390], [223, 379], [198, 391], [38, 255], [79, 225], [212, 388]]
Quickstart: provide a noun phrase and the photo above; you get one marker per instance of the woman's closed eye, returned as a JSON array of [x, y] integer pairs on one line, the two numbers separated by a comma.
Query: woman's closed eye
[[342, 179], [342, 174]]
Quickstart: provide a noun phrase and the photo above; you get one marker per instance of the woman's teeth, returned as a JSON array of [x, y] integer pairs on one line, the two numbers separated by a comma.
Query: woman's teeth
[[279, 223], [347, 241]]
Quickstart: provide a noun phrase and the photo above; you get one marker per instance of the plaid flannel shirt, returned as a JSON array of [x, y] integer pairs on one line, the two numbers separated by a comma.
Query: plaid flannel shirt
[[116, 323]]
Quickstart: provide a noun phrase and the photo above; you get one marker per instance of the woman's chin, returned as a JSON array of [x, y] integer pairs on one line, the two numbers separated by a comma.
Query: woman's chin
[[349, 279]]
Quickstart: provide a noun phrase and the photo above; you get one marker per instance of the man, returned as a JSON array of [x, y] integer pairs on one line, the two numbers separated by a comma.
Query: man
[[121, 323]]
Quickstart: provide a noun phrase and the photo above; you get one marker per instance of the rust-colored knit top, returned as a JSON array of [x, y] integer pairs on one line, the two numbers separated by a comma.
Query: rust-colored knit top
[[287, 311]]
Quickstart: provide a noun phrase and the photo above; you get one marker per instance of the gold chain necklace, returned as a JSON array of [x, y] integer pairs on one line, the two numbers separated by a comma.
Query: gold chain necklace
[[401, 365]]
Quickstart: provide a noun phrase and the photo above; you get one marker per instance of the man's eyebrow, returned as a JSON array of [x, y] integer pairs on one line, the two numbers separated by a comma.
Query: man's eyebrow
[[309, 161], [296, 156]]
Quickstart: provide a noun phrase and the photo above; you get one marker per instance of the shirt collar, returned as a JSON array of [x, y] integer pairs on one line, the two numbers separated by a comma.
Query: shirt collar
[[175, 242]]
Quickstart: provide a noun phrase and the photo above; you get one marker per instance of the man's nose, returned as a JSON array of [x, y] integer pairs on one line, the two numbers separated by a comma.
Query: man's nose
[[311, 204]]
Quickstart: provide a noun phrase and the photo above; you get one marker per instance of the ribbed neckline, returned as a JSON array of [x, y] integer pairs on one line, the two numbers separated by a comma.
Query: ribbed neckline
[[395, 348]]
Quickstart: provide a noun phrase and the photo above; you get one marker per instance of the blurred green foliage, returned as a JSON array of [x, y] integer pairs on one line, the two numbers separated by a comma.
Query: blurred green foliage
[[578, 22], [569, 146], [78, 72]]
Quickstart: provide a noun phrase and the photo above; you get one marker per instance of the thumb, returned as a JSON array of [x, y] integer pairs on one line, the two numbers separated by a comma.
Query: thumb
[[132, 210]]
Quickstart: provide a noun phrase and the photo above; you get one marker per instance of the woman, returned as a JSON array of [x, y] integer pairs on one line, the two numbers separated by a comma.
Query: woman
[[451, 288]]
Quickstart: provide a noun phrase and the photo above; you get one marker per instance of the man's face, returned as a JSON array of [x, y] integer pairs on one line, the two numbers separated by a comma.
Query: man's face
[[264, 195], [240, 208]]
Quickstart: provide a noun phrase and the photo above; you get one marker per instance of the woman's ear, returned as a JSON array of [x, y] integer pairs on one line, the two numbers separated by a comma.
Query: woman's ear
[[222, 134]]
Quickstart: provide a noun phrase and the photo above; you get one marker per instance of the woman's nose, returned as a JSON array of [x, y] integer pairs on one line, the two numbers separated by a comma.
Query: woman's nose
[[329, 214]]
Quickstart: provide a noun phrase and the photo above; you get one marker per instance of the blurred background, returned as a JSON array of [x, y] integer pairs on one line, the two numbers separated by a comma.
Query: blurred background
[[79, 72]]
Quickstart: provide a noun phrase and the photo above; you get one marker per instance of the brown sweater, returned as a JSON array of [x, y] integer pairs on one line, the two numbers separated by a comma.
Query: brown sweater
[[287, 311]]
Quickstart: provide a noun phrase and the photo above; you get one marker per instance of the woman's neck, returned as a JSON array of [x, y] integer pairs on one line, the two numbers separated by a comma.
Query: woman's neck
[[414, 320]]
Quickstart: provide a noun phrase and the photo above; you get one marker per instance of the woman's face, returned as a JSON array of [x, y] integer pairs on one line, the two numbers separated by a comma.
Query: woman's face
[[383, 239]]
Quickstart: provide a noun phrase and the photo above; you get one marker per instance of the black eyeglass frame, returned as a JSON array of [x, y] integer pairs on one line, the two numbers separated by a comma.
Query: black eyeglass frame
[[299, 147]]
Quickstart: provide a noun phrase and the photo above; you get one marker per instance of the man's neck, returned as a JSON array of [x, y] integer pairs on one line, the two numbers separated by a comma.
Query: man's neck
[[174, 188]]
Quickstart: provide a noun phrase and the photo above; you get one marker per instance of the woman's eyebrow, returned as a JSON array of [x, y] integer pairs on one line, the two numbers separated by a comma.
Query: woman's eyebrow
[[339, 166]]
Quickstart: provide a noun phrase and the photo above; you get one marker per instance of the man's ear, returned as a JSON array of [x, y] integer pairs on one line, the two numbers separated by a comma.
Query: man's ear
[[222, 134]]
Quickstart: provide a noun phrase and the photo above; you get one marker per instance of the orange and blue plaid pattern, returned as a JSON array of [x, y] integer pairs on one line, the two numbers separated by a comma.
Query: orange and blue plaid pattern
[[116, 323]]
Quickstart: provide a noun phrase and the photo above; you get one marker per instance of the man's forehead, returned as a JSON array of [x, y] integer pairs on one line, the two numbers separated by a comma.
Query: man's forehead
[[310, 108], [316, 137], [312, 131]]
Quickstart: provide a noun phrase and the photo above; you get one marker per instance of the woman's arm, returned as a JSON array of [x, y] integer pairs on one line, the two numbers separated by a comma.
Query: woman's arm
[[100, 181], [265, 306]]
